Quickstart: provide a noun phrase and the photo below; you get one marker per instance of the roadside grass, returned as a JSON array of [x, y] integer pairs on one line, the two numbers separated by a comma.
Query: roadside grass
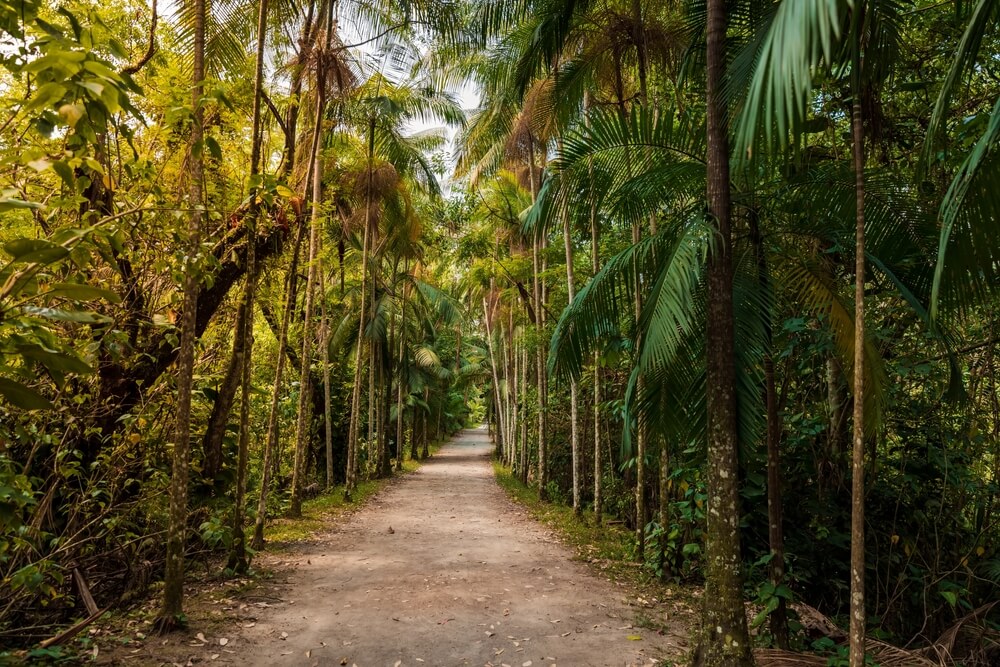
[[610, 545], [610, 548], [282, 532]]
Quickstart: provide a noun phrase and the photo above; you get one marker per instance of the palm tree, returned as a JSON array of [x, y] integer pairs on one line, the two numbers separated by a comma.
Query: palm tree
[[867, 51], [383, 108]]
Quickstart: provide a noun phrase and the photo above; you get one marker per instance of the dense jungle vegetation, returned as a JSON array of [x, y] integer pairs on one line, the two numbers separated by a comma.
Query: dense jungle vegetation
[[724, 271]]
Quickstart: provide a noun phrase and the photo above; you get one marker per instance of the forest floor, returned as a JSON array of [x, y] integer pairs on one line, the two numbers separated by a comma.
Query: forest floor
[[439, 568]]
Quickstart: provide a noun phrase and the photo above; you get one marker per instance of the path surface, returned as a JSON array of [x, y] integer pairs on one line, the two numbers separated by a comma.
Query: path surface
[[443, 569]]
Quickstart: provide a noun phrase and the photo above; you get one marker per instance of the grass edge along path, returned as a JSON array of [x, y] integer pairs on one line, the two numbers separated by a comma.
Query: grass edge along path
[[609, 551]]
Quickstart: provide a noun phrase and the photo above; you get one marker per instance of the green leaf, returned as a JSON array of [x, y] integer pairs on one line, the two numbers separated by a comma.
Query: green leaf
[[47, 95], [84, 292], [951, 597], [78, 316], [58, 362], [34, 250], [23, 397], [10, 203], [213, 148]]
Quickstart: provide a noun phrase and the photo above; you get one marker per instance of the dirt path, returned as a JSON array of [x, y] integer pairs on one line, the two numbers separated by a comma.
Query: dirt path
[[443, 569]]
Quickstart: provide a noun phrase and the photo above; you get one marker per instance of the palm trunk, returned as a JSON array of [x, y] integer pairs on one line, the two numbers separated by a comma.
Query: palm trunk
[[595, 259], [499, 410], [327, 402], [513, 461], [401, 361], [536, 296], [303, 428], [173, 581], [524, 417], [726, 640], [423, 425], [352, 447], [238, 555], [238, 561], [574, 415], [776, 539], [640, 436], [858, 616]]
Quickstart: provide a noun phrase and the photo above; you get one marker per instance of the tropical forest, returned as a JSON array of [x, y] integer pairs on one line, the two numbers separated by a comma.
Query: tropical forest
[[500, 332]]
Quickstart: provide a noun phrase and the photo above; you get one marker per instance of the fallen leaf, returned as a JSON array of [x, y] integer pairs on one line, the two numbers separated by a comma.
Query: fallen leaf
[[634, 638], [201, 637]]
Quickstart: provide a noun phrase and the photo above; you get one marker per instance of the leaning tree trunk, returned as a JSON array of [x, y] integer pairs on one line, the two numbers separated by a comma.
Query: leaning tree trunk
[[215, 431], [726, 639], [171, 614]]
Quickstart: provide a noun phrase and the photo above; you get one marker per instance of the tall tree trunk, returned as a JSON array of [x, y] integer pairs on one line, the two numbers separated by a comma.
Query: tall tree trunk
[[498, 403], [858, 616], [355, 428], [523, 468], [173, 581], [726, 639], [304, 423], [426, 441], [536, 296], [327, 401], [513, 460], [776, 538], [574, 415], [640, 436], [238, 561], [595, 259], [400, 395]]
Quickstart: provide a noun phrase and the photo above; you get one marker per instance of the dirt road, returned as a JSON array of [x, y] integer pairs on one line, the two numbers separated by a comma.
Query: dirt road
[[443, 569]]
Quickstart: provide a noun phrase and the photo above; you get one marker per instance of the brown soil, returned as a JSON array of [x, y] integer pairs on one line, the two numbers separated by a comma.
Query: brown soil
[[438, 569]]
